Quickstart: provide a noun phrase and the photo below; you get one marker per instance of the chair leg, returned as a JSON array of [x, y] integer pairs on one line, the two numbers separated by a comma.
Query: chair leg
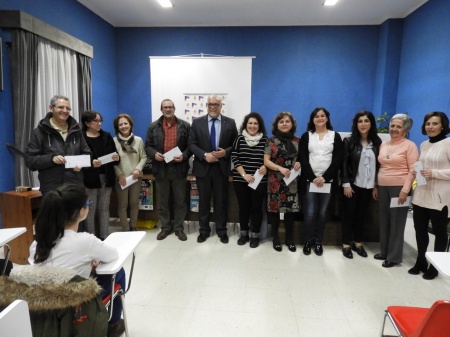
[[122, 300], [384, 323]]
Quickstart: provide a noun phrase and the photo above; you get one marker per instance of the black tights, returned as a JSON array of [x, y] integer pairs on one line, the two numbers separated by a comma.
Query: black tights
[[274, 220], [439, 221]]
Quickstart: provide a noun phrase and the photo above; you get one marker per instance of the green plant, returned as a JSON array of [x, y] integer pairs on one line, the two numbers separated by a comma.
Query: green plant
[[383, 122]]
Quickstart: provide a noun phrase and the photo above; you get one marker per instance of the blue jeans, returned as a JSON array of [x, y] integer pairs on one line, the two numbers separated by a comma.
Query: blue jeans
[[104, 281], [315, 207]]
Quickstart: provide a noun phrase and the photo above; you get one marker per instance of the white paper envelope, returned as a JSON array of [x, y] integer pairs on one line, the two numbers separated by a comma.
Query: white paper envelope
[[83, 160], [258, 177], [129, 181], [294, 174], [419, 177], [168, 156], [106, 158], [326, 188], [394, 202]]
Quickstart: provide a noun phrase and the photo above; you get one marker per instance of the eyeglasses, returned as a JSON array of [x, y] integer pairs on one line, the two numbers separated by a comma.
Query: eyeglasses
[[215, 105], [97, 121], [89, 203], [168, 107]]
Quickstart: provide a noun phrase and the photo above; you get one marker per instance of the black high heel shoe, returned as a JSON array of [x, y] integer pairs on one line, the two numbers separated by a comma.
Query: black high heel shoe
[[276, 244], [291, 247], [431, 273], [307, 249], [420, 266]]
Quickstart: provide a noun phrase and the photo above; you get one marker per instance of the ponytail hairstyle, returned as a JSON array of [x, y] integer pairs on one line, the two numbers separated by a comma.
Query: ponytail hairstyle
[[59, 207]]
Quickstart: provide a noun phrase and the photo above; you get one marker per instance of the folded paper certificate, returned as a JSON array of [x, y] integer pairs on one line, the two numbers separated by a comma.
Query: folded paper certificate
[[394, 202], [129, 181], [168, 156], [106, 158], [83, 160], [326, 188], [258, 177], [294, 174], [419, 177]]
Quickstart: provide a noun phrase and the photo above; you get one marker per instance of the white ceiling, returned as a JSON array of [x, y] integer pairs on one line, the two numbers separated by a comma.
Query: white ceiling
[[197, 13]]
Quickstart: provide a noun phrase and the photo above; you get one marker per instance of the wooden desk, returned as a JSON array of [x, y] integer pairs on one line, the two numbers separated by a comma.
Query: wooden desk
[[7, 235], [19, 209], [441, 261]]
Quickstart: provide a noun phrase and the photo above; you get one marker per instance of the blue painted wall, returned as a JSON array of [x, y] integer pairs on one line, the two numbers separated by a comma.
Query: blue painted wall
[[424, 81], [295, 69]]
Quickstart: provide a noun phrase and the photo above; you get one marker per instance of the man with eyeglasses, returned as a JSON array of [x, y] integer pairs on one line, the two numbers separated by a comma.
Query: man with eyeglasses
[[163, 135], [56, 136], [211, 140]]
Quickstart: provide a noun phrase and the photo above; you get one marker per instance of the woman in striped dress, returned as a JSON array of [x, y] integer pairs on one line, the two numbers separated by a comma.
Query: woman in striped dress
[[248, 157]]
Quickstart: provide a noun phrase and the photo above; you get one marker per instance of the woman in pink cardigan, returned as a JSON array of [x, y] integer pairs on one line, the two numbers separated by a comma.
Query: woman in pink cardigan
[[395, 177]]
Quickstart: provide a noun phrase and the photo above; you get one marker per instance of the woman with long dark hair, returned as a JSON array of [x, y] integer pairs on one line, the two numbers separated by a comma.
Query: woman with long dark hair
[[58, 244], [247, 157], [358, 173], [320, 155]]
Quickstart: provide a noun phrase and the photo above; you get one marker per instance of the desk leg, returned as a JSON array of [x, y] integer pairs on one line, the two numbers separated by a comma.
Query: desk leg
[[8, 248]]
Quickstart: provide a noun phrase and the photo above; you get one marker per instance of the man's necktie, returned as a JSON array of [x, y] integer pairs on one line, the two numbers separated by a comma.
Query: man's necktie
[[212, 135]]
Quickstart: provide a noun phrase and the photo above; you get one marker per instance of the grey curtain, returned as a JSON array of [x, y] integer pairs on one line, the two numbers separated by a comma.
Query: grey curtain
[[24, 79], [84, 83], [24, 70]]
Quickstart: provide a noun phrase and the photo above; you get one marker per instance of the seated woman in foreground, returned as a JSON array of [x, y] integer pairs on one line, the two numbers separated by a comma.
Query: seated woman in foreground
[[58, 244]]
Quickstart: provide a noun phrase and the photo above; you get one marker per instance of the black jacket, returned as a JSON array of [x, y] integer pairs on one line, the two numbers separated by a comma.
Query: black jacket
[[154, 143], [350, 161], [307, 173], [46, 143], [92, 174]]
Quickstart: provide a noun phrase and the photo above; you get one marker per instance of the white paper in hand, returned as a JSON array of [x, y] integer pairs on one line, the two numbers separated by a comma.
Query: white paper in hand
[[258, 177], [419, 177]]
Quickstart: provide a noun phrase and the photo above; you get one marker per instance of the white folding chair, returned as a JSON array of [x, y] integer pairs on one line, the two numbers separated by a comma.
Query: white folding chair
[[15, 320]]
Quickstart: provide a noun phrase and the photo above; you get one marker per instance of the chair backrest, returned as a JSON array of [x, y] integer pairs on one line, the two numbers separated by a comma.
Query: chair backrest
[[436, 322], [15, 320]]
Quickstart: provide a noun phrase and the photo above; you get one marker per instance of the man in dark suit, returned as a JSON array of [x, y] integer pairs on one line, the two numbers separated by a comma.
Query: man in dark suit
[[211, 139], [163, 135]]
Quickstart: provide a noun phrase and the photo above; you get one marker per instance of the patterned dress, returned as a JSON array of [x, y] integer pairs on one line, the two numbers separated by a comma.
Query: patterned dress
[[282, 198]]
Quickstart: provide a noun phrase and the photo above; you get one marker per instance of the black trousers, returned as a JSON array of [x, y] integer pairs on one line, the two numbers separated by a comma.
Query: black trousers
[[354, 214], [439, 221], [250, 205], [214, 185]]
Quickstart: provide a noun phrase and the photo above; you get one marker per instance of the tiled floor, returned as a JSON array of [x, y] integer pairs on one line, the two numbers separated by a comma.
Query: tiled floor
[[187, 289]]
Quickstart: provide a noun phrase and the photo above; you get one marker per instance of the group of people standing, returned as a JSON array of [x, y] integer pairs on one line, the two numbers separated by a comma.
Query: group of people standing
[[263, 167]]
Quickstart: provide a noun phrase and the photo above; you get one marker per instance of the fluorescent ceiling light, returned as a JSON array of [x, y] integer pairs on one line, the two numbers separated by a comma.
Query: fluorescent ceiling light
[[330, 2], [165, 3]]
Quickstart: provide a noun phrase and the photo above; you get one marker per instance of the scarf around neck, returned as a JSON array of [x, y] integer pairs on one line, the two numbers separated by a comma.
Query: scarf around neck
[[125, 143], [286, 139], [252, 140]]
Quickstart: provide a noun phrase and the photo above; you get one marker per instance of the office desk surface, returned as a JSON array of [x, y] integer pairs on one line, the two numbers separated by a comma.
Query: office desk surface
[[8, 234], [441, 260], [126, 243]]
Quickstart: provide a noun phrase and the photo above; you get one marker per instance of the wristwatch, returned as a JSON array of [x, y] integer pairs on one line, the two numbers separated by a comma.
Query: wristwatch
[[243, 175]]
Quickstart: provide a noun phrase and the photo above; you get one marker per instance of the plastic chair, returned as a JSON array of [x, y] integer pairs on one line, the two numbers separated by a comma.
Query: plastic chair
[[15, 320], [420, 322]]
